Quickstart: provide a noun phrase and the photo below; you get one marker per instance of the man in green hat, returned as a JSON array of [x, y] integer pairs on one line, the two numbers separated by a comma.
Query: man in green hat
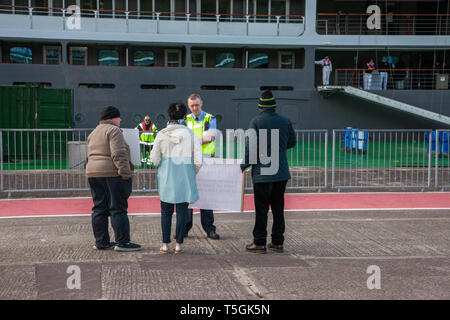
[[269, 179]]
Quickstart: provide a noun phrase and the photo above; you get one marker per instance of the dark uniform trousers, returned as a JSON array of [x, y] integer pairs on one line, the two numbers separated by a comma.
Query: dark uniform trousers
[[265, 195], [206, 218], [110, 196]]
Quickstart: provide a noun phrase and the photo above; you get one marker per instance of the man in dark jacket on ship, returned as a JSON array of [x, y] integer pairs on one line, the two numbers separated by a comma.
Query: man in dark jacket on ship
[[270, 171]]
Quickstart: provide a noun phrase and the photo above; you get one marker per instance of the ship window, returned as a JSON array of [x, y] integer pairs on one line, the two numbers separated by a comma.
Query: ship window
[[158, 86], [258, 60], [21, 55], [33, 84], [97, 85], [52, 55], [262, 10], [208, 9], [78, 55], [286, 60], [198, 58], [210, 87], [225, 60], [278, 8], [143, 58], [108, 58], [276, 88], [172, 58], [162, 6]]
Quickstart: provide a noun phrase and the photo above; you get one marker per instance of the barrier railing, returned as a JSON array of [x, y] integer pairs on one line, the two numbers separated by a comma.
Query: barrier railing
[[308, 161], [54, 160], [398, 79], [390, 24], [439, 144], [381, 159]]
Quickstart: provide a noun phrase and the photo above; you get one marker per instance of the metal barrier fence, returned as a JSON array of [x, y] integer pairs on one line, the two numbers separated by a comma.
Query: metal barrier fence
[[390, 24], [308, 161], [381, 159], [54, 160], [441, 152], [398, 79]]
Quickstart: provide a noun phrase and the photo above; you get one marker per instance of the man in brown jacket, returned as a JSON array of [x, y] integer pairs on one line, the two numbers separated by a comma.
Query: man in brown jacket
[[109, 172]]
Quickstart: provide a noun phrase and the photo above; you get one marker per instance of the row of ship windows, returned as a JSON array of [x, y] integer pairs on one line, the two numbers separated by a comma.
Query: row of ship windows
[[151, 86], [172, 58]]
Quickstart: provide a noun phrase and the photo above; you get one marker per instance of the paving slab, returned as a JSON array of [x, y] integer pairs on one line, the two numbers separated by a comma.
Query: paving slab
[[327, 256]]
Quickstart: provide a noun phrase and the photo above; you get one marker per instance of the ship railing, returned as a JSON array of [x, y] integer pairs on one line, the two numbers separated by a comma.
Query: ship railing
[[153, 15], [42, 160], [390, 24], [398, 79]]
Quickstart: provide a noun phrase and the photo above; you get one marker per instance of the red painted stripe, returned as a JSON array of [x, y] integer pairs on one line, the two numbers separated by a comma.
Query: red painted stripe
[[57, 206]]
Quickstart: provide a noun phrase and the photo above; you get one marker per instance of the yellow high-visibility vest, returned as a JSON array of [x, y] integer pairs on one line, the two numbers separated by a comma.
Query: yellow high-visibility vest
[[198, 128], [148, 133]]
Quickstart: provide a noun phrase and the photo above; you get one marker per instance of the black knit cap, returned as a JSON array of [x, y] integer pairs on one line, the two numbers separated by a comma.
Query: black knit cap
[[109, 112], [267, 100]]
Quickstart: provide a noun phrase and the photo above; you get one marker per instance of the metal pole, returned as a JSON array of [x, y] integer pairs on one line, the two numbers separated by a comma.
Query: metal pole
[[278, 25], [1, 160], [326, 159], [436, 165], [333, 159], [218, 22], [30, 11], [157, 22]]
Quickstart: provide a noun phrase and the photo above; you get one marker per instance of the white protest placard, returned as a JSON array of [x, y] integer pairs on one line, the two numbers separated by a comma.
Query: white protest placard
[[220, 185], [132, 139]]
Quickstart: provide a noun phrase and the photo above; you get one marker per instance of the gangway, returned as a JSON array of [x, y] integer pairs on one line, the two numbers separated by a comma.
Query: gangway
[[376, 98]]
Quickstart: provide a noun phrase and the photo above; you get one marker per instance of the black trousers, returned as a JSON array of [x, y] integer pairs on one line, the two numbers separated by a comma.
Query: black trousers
[[206, 218], [110, 196], [269, 194]]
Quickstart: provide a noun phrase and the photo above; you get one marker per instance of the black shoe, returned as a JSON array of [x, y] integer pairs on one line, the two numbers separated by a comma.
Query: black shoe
[[111, 245], [255, 249], [129, 246], [276, 248], [213, 235]]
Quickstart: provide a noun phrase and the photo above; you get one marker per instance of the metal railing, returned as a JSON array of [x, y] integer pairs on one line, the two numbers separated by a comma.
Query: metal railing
[[381, 159], [399, 79], [153, 15], [440, 148], [390, 24], [308, 161], [54, 160]]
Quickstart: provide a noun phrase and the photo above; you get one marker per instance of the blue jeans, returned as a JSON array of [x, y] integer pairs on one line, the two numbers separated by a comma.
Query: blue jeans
[[206, 218], [166, 220]]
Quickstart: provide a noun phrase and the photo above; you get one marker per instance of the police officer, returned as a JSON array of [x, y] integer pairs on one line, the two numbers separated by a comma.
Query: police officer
[[147, 130], [204, 125]]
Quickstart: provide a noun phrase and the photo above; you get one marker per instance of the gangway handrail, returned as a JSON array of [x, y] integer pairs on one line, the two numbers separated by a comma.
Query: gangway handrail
[[391, 69]]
